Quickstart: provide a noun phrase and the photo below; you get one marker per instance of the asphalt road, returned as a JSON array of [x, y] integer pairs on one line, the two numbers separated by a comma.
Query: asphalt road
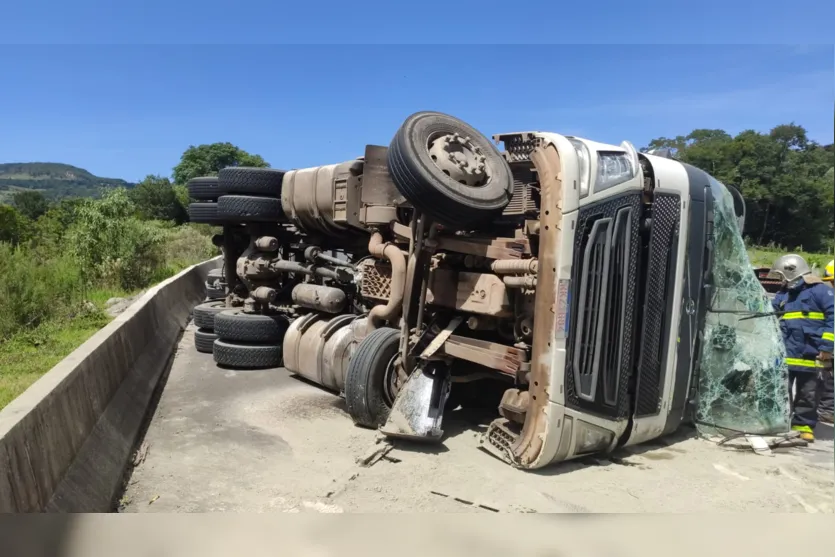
[[258, 441]]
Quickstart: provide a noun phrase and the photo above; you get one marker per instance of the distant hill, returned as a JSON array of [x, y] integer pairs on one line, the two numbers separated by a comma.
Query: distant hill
[[54, 180]]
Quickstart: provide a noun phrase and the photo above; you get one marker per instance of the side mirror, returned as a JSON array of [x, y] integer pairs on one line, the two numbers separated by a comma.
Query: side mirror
[[739, 207]]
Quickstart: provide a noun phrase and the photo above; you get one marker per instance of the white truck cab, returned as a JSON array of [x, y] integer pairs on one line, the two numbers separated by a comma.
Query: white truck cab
[[614, 358]]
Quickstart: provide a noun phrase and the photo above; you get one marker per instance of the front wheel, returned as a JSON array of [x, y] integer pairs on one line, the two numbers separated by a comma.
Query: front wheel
[[370, 372]]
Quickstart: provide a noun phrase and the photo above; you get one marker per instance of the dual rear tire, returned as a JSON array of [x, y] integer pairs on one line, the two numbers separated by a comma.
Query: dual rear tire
[[249, 340], [204, 317], [238, 195]]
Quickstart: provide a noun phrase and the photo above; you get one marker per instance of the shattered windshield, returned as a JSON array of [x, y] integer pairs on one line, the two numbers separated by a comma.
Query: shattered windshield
[[743, 380]]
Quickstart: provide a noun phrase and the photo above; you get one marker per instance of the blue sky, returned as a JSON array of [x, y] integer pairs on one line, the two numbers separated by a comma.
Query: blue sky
[[130, 110], [427, 21]]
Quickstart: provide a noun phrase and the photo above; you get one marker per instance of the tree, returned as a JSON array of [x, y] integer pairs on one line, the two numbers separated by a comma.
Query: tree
[[156, 199], [30, 203], [50, 230], [207, 160], [781, 174], [12, 225]]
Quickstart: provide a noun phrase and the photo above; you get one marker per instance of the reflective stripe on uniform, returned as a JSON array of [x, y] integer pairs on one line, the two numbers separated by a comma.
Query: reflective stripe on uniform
[[804, 315], [828, 336], [800, 362]]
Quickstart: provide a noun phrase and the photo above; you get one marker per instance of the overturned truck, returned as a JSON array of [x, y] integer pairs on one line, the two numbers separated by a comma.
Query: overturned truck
[[561, 282]]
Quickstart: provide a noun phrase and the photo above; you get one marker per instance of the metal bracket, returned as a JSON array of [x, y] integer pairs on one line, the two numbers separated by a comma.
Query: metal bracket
[[442, 337]]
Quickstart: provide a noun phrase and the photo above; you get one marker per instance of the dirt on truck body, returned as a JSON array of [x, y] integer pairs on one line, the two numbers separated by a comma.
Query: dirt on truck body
[[561, 282]]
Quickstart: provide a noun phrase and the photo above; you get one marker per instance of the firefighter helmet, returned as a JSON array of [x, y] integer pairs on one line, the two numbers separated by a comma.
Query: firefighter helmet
[[789, 268]]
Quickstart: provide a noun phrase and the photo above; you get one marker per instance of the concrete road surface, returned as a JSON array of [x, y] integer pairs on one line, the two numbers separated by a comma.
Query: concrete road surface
[[225, 440]]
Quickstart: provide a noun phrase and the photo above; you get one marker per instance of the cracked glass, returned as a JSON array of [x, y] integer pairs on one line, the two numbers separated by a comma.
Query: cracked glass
[[743, 378]]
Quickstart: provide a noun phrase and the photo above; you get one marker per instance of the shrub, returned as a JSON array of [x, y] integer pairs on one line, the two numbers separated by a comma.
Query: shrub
[[188, 244], [32, 291], [76, 251], [113, 247], [12, 225]]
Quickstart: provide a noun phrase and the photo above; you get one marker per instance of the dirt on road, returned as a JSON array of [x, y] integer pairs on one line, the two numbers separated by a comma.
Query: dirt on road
[[266, 441]]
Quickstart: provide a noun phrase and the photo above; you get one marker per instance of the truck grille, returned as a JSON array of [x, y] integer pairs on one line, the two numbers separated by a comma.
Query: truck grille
[[618, 294], [593, 287], [656, 321], [603, 312]]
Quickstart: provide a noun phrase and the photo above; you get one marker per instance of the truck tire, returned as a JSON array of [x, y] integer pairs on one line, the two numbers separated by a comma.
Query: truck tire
[[204, 212], [259, 181], [426, 161], [204, 340], [249, 208], [204, 188], [204, 314], [366, 375], [246, 356], [237, 326]]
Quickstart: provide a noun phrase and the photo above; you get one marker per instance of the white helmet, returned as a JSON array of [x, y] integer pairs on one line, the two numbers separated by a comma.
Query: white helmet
[[789, 268]]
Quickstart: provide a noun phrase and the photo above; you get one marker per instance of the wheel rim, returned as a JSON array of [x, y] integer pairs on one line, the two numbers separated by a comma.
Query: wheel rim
[[390, 383], [459, 158]]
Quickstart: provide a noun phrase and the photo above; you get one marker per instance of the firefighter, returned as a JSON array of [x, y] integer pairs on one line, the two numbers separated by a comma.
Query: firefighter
[[806, 306], [825, 384]]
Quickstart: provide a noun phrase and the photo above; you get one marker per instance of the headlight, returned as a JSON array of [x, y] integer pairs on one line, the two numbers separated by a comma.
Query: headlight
[[585, 165], [613, 168]]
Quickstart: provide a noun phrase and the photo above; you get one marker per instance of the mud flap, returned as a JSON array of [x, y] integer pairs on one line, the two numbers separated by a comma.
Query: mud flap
[[418, 409]]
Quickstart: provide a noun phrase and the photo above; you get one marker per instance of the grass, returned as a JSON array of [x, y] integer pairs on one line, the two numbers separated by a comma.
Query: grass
[[56, 278], [28, 354], [764, 256]]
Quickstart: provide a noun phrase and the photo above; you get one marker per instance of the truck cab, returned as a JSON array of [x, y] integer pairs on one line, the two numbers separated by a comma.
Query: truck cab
[[616, 358]]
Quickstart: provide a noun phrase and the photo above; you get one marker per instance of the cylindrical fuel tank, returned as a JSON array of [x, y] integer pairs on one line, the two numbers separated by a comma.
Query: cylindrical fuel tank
[[318, 297], [339, 349], [318, 347], [309, 197]]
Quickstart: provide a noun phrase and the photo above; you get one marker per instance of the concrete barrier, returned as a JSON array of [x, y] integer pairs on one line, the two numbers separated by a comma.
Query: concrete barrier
[[65, 442]]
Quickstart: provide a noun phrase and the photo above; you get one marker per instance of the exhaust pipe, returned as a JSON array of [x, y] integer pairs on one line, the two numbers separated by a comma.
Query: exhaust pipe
[[382, 313]]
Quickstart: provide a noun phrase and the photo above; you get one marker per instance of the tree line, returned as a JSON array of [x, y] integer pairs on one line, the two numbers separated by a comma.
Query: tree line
[[154, 198], [57, 255], [786, 179]]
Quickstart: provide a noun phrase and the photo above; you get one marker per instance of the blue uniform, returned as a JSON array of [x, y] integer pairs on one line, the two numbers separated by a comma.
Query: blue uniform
[[807, 326], [807, 323]]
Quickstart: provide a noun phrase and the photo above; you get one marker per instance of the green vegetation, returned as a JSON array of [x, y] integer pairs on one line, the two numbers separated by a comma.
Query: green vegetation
[[28, 355], [207, 160], [62, 258], [52, 180], [764, 256], [54, 283], [786, 179]]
